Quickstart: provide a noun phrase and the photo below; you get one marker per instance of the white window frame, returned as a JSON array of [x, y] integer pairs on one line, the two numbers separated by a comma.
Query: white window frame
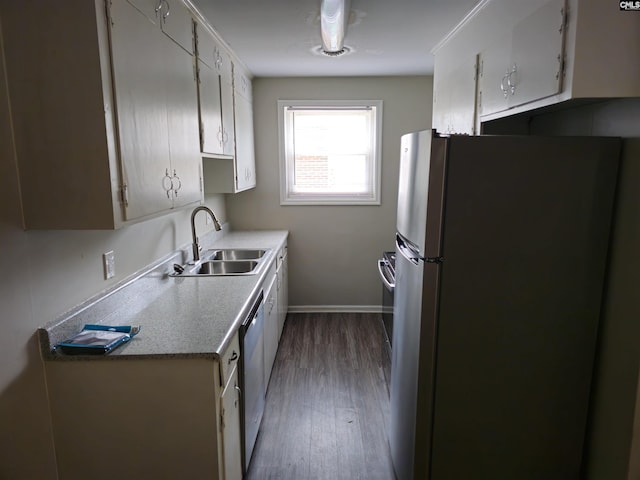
[[287, 197]]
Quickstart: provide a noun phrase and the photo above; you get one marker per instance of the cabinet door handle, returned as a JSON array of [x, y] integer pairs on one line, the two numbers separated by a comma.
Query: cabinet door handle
[[233, 358], [179, 183], [512, 85], [503, 87], [159, 5], [168, 12], [239, 390], [167, 183], [219, 136]]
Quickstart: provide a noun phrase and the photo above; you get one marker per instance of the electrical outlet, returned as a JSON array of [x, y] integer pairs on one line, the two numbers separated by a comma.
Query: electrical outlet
[[209, 220], [109, 262]]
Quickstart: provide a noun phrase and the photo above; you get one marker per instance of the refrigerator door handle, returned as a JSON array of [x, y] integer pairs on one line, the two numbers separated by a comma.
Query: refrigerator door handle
[[412, 254], [407, 250]]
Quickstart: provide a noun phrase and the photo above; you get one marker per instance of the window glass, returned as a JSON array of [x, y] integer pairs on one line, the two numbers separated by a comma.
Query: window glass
[[329, 152]]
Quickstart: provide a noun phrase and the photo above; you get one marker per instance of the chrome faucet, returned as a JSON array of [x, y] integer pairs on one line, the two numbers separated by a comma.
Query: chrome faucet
[[216, 225]]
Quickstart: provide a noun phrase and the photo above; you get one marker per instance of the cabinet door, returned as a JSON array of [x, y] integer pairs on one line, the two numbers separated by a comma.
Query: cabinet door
[[536, 54], [149, 8], [526, 64], [270, 327], [441, 100], [138, 74], [462, 101], [183, 132], [230, 428], [493, 73], [209, 104], [283, 291], [455, 97], [210, 109], [245, 156], [226, 100], [177, 23]]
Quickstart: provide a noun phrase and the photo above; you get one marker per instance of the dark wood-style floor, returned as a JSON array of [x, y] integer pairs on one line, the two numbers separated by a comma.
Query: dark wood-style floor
[[327, 403]]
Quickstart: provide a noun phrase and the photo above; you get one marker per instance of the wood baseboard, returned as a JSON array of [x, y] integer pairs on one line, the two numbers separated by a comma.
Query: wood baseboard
[[335, 309]]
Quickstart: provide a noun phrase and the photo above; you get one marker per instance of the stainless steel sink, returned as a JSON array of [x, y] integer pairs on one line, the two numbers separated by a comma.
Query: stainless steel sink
[[234, 254], [221, 262], [225, 267]]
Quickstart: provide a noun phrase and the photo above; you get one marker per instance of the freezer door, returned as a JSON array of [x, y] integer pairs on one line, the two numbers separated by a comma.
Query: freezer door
[[421, 191]]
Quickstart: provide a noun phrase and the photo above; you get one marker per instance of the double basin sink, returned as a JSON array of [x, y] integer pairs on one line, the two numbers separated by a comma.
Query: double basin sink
[[220, 262]]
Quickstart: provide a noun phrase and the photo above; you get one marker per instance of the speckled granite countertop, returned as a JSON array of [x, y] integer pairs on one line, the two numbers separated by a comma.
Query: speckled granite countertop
[[180, 317]]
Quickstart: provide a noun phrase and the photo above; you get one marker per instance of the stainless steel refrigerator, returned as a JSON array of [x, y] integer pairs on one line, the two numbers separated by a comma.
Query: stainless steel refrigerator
[[502, 245]]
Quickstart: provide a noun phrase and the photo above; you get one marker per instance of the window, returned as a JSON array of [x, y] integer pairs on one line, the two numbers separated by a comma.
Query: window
[[330, 152]]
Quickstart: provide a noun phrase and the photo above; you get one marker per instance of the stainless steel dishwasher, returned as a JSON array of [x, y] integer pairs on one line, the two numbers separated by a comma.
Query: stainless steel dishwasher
[[253, 384]]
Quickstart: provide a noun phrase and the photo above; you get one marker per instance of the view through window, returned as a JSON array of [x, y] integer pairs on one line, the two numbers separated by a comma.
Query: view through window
[[329, 152]]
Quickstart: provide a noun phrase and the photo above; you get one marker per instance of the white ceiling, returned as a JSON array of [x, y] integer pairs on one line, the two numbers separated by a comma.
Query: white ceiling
[[387, 37]]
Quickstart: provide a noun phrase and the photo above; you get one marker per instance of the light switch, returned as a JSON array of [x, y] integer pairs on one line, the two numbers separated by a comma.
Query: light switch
[[109, 261]]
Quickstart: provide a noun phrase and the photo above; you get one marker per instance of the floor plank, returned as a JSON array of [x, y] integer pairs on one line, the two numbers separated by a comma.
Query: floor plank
[[327, 403]]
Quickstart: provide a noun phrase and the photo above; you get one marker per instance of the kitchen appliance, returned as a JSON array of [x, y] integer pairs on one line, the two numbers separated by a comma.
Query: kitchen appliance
[[386, 270], [253, 384], [502, 246]]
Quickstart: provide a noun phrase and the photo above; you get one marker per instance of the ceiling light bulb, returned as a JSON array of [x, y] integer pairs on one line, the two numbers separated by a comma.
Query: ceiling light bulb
[[334, 15]]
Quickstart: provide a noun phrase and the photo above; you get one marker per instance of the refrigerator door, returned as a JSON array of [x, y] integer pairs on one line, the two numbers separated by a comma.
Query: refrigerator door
[[525, 242], [421, 191], [412, 366]]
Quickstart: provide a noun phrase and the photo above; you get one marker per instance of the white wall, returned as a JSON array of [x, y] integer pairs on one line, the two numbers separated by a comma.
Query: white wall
[[332, 249], [616, 378], [45, 273]]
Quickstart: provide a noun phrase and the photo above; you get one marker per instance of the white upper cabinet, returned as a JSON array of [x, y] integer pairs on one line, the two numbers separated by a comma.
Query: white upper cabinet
[[245, 155], [182, 112], [215, 93], [209, 103], [155, 94], [532, 54], [454, 95], [237, 173], [142, 119], [226, 101], [174, 19], [171, 16], [106, 120], [525, 64]]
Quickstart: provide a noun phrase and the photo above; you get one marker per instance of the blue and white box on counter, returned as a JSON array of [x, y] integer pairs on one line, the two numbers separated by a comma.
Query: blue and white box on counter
[[97, 339]]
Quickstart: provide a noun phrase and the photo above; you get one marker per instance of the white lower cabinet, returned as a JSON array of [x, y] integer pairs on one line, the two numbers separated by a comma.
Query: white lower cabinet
[[170, 418], [275, 308], [271, 335], [230, 405], [283, 287]]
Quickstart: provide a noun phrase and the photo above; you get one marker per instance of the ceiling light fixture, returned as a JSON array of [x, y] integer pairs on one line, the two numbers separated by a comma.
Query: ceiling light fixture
[[334, 17]]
